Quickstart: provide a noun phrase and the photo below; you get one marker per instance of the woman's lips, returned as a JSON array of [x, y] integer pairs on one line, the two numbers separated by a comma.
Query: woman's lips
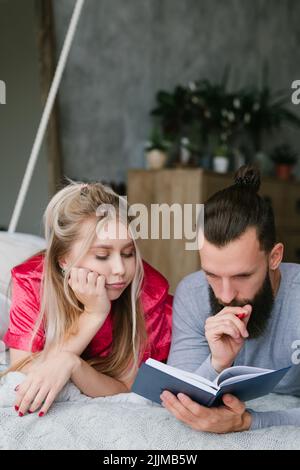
[[117, 285]]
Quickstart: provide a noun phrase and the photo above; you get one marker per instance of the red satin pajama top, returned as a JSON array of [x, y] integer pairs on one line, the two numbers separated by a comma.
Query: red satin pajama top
[[26, 283]]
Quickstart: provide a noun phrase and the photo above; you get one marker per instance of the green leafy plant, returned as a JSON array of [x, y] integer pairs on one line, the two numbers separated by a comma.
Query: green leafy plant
[[206, 112], [157, 141], [283, 155]]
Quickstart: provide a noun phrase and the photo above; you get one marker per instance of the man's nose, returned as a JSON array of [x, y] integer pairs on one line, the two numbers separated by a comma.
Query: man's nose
[[228, 293]]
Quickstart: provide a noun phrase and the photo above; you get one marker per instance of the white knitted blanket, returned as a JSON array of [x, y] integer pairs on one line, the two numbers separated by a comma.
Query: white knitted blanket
[[126, 421]]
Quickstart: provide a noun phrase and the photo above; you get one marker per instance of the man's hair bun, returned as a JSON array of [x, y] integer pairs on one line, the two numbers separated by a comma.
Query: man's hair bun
[[247, 177]]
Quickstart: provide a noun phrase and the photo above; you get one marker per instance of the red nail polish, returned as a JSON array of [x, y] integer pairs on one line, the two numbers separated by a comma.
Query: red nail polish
[[41, 414], [30, 412], [16, 408], [21, 414]]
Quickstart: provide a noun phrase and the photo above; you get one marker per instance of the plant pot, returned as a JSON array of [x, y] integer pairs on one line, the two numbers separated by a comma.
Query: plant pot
[[220, 164], [156, 159], [283, 171]]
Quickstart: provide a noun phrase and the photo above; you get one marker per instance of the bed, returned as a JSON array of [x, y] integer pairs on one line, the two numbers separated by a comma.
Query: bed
[[124, 421]]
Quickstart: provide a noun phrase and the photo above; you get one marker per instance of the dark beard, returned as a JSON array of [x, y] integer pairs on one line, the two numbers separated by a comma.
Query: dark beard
[[262, 305]]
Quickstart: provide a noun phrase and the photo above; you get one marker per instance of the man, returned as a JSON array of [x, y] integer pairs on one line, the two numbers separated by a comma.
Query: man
[[241, 309]]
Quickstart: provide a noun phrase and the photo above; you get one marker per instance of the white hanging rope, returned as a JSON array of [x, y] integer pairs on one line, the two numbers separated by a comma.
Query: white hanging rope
[[46, 116]]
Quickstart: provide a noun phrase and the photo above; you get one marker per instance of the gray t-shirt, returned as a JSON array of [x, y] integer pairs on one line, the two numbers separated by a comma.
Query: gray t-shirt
[[275, 349]]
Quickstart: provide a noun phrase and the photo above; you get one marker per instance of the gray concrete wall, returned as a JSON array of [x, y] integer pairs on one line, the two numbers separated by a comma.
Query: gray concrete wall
[[19, 117], [125, 51]]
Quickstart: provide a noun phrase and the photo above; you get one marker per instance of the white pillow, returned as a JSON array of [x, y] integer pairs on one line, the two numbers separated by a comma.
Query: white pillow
[[4, 315], [14, 249]]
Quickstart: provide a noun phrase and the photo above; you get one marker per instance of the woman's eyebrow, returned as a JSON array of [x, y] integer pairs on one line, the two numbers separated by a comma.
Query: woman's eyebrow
[[130, 244]]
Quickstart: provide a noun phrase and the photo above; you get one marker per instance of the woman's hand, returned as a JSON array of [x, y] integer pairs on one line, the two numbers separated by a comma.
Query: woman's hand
[[89, 288], [44, 382]]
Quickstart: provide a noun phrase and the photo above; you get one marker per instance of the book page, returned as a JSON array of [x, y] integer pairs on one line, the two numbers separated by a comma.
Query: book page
[[187, 377], [239, 373]]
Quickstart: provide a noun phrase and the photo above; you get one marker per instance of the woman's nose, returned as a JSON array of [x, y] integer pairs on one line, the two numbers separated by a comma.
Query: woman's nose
[[118, 267]]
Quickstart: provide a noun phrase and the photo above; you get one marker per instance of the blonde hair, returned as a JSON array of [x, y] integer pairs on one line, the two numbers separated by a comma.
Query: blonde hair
[[60, 309]]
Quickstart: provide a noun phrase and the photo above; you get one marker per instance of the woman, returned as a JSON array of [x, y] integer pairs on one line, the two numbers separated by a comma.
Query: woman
[[88, 308]]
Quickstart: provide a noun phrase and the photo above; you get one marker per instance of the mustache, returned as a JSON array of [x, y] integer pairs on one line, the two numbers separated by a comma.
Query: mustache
[[262, 304], [235, 303]]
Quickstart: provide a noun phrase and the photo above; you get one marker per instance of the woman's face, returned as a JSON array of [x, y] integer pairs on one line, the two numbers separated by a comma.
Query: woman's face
[[112, 254]]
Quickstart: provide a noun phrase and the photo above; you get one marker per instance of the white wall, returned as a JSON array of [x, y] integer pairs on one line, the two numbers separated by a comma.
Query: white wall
[[20, 116]]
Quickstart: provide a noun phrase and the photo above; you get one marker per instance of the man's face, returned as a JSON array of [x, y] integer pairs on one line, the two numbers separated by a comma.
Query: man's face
[[238, 274]]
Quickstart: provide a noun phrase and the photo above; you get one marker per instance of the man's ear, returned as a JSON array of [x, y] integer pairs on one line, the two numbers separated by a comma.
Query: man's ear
[[276, 256]]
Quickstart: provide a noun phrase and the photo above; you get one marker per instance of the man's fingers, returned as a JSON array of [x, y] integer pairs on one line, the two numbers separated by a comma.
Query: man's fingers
[[176, 408], [192, 406], [234, 404], [238, 323], [225, 329], [229, 319]]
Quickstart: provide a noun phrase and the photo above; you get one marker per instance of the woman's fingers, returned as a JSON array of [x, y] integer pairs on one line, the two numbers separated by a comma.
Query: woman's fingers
[[28, 398], [21, 392], [48, 402], [92, 279], [100, 283], [73, 281], [40, 400]]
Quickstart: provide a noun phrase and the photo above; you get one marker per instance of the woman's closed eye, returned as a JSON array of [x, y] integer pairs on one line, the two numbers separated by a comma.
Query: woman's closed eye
[[124, 255]]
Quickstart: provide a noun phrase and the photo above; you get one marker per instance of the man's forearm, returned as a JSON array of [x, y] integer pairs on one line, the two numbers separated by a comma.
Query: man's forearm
[[266, 419], [206, 370], [94, 383]]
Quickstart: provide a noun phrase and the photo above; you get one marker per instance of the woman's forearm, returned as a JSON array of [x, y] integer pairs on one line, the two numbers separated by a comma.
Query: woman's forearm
[[88, 325], [94, 383]]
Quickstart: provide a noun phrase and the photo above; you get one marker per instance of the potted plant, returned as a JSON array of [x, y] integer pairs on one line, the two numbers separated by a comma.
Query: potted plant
[[284, 159], [156, 150], [221, 159]]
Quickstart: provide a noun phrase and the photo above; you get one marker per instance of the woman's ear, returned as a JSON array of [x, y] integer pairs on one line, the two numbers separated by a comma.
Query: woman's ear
[[62, 263], [276, 256]]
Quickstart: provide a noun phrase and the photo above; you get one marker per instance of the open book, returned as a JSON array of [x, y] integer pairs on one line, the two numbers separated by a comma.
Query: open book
[[244, 382]]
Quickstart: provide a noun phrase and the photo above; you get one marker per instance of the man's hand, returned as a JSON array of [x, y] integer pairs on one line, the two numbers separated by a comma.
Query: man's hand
[[225, 334], [44, 382], [89, 289], [229, 418]]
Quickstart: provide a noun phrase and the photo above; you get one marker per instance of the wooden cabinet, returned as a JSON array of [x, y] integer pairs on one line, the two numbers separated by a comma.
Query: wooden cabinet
[[194, 186]]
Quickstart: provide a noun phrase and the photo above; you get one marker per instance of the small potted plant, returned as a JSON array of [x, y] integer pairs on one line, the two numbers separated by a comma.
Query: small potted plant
[[156, 150], [221, 159], [284, 159]]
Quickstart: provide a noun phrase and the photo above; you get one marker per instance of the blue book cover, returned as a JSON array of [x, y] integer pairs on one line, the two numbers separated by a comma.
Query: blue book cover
[[248, 383]]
